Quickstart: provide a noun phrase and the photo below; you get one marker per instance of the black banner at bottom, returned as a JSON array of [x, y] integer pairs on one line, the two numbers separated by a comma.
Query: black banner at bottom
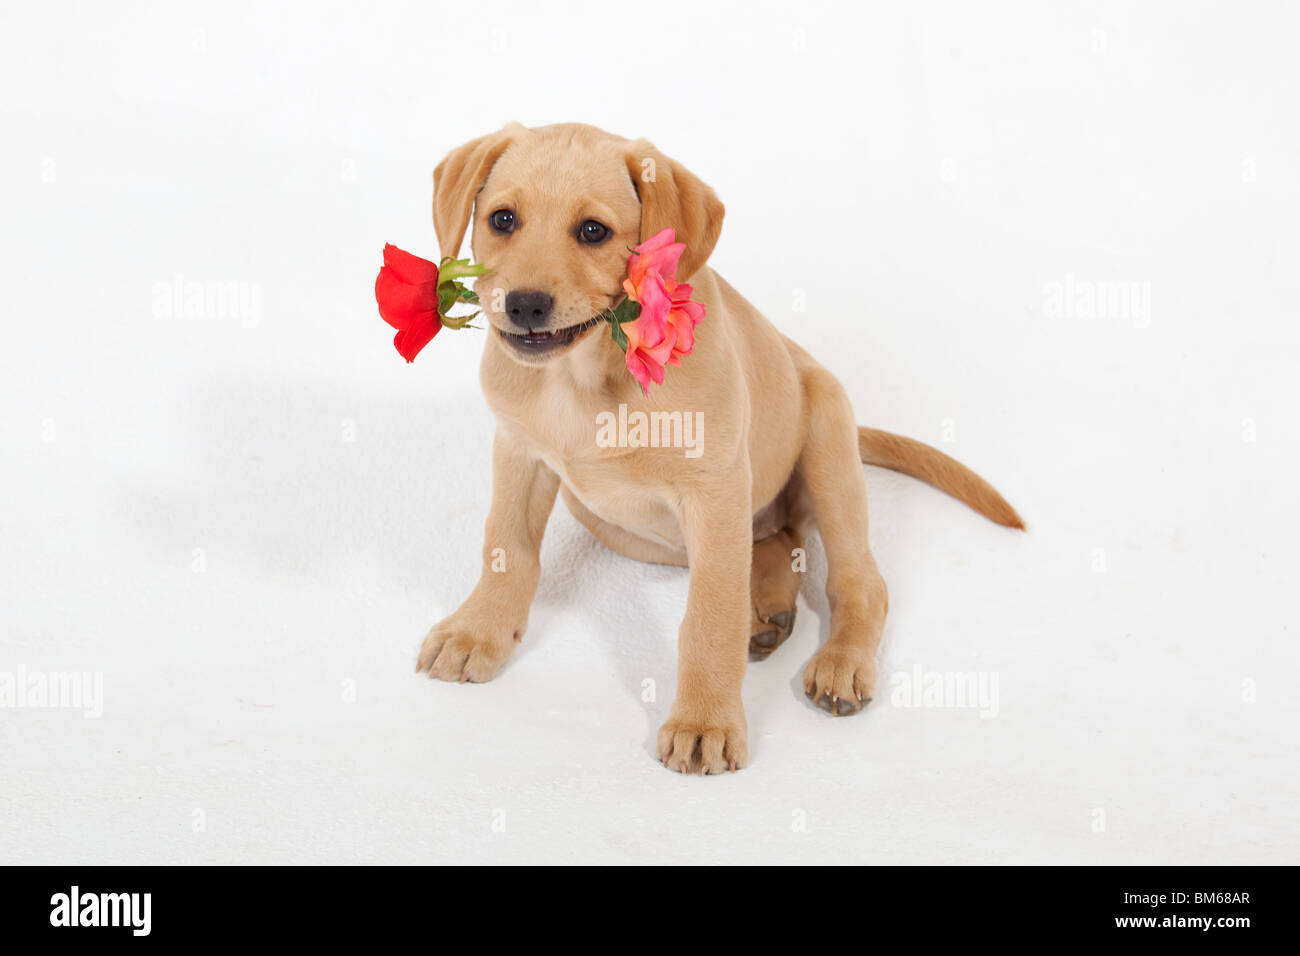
[[238, 905]]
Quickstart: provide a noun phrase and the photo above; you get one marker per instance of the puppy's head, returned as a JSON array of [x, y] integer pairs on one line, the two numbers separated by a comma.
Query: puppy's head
[[556, 212]]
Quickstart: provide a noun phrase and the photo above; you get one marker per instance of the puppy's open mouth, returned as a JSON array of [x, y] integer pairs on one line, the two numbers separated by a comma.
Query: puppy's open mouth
[[541, 343]]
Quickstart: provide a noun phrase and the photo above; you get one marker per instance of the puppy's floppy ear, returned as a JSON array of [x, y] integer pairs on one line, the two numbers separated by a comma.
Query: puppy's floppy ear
[[672, 195], [457, 181]]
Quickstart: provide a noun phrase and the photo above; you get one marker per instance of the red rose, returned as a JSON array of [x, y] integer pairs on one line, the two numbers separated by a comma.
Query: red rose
[[415, 297], [407, 292]]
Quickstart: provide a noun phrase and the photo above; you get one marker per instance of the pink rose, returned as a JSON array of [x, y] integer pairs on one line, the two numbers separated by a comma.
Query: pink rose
[[665, 329]]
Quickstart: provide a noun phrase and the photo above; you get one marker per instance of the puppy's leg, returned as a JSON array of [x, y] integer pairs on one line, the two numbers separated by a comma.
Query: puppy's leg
[[842, 673], [473, 643], [706, 726], [773, 590]]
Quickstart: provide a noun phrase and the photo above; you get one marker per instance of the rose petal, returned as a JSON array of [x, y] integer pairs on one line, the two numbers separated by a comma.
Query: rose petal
[[663, 259], [409, 268], [410, 340], [654, 299], [640, 371], [401, 303], [685, 343], [664, 237]]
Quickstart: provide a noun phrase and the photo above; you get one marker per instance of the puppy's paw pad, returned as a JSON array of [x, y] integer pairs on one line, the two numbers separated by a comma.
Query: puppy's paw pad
[[768, 631], [840, 682], [839, 706]]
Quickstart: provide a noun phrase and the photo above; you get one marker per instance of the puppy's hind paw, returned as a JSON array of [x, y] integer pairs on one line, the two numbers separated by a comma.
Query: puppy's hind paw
[[768, 632]]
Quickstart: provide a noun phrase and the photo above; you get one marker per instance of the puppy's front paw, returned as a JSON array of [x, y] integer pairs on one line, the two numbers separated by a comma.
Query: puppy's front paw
[[463, 649], [840, 679], [704, 745]]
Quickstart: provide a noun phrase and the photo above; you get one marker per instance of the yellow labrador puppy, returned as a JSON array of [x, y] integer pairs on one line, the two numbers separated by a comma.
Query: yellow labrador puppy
[[775, 449]]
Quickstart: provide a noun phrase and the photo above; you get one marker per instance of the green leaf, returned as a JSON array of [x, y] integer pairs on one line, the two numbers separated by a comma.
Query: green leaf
[[620, 337], [627, 311], [460, 321]]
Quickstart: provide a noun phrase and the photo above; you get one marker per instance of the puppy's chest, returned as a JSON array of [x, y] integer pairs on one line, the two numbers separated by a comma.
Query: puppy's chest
[[621, 482]]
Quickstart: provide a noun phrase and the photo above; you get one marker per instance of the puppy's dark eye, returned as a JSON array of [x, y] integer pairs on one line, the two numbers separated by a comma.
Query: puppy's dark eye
[[503, 220], [592, 232]]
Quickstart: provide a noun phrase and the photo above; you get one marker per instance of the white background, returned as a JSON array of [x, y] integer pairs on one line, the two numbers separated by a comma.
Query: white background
[[237, 514]]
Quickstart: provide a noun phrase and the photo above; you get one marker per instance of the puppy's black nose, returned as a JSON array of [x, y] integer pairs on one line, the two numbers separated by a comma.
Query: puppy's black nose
[[528, 309]]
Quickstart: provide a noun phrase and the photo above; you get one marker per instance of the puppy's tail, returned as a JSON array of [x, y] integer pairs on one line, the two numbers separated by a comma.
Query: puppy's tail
[[932, 466]]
